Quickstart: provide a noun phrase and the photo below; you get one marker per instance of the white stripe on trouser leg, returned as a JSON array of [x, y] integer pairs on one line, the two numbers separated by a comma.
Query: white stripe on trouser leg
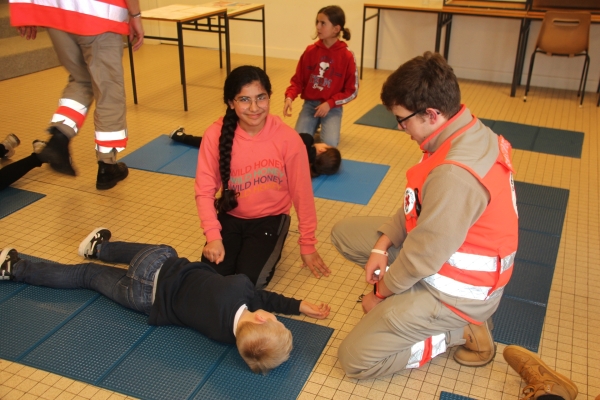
[[103, 149], [110, 136], [58, 118], [420, 354], [416, 353], [438, 345], [116, 135], [75, 105]]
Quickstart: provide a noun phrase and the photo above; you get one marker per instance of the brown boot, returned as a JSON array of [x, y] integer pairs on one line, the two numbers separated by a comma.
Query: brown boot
[[541, 380], [479, 349]]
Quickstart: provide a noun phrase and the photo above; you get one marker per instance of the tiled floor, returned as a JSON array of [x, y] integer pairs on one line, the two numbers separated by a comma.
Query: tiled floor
[[150, 207]]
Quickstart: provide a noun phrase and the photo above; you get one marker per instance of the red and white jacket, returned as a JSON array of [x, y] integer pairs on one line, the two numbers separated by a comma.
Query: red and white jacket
[[81, 17], [325, 74]]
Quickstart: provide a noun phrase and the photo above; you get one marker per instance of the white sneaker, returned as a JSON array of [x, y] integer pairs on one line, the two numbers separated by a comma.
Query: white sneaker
[[88, 248]]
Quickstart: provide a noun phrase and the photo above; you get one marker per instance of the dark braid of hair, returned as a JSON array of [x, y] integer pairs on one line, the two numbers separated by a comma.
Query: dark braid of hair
[[228, 200]]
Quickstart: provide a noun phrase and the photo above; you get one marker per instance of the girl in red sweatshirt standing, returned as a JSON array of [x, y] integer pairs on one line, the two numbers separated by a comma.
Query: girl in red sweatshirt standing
[[326, 78], [261, 168]]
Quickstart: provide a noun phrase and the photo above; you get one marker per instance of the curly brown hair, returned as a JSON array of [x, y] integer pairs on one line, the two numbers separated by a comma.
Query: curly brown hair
[[426, 81]]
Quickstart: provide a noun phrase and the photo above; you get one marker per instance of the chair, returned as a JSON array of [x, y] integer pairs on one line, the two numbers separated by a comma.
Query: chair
[[564, 33]]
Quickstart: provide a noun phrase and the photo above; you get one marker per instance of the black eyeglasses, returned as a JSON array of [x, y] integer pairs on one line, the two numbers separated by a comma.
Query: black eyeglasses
[[402, 120]]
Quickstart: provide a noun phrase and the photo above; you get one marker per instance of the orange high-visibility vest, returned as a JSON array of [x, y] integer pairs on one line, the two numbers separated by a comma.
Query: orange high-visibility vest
[[483, 263], [81, 17]]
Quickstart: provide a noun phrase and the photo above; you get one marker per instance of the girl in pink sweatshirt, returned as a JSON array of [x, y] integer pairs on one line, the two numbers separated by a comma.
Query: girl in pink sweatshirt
[[261, 168]]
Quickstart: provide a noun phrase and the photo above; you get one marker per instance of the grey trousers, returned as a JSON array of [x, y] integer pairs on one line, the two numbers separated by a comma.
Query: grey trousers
[[385, 340], [95, 69]]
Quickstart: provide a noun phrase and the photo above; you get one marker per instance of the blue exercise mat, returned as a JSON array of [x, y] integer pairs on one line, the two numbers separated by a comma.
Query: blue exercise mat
[[452, 396], [13, 199], [356, 182], [380, 117], [520, 316], [82, 335], [523, 137], [162, 155]]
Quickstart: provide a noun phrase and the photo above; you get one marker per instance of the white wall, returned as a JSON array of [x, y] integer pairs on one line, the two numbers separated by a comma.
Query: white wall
[[480, 48]]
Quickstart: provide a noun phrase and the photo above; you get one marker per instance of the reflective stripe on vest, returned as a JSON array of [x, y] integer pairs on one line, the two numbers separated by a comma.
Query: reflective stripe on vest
[[92, 8], [455, 288], [422, 352], [106, 141]]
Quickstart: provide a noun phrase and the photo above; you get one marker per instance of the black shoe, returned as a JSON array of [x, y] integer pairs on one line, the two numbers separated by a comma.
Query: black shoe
[[8, 258], [56, 153], [110, 174], [178, 134]]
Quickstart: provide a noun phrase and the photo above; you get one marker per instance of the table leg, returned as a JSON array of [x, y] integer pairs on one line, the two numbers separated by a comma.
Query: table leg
[[220, 43], [362, 42], [520, 56], [377, 36], [264, 41], [135, 101], [444, 20], [182, 63], [438, 32], [227, 46], [447, 38]]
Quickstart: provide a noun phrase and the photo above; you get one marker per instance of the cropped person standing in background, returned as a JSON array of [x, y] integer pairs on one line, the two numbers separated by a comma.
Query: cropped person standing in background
[[86, 36]]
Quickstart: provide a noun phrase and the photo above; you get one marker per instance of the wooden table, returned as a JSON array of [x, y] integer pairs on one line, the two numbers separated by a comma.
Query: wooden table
[[397, 5], [201, 18], [445, 14]]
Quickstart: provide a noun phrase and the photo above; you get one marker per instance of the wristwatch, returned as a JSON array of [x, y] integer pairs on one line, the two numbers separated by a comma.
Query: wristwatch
[[376, 291]]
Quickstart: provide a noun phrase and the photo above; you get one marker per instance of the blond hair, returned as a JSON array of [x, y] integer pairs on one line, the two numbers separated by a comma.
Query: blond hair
[[264, 346]]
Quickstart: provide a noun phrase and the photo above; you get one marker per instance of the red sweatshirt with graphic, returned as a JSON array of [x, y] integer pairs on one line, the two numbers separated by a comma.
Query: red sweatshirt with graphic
[[325, 74], [269, 171]]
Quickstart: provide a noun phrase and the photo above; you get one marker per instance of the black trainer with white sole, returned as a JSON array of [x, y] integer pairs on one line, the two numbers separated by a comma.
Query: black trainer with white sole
[[88, 248]]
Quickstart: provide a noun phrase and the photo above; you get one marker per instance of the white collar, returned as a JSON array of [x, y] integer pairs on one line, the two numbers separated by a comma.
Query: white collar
[[238, 315]]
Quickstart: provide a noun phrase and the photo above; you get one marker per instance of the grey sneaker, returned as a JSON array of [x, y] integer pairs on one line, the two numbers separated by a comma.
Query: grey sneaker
[[38, 146], [10, 143], [89, 246], [8, 258]]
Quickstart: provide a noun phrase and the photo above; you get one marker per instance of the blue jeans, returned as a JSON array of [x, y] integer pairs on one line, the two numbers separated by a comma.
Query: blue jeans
[[131, 288], [331, 124]]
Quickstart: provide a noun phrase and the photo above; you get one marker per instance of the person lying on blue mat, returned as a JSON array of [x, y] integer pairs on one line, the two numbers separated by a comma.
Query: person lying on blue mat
[[323, 159], [174, 291]]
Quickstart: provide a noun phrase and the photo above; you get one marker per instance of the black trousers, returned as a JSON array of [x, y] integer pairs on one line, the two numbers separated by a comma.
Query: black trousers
[[14, 171], [252, 246]]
